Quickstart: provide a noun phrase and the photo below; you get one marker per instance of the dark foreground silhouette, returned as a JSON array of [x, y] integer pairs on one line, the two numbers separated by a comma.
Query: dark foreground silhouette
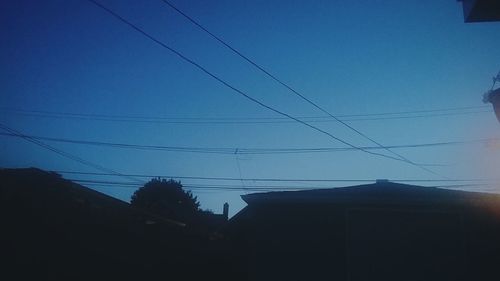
[[383, 231], [54, 229]]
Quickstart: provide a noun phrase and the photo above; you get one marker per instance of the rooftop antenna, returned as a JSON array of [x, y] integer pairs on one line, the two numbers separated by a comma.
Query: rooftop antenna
[[493, 96]]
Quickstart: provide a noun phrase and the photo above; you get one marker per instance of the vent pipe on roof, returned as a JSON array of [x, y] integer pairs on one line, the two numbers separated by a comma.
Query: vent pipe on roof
[[225, 211]]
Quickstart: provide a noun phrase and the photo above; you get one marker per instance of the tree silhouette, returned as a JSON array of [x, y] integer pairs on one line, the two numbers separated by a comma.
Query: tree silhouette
[[167, 198]]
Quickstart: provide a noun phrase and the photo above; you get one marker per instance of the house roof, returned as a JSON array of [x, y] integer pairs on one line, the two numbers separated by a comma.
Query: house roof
[[61, 230], [481, 10], [380, 192], [32, 184]]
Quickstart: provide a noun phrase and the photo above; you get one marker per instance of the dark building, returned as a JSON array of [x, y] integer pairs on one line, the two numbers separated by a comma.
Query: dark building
[[481, 10], [55, 229], [382, 231]]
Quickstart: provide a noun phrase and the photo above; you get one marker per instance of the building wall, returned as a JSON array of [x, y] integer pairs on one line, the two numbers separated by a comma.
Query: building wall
[[370, 242]]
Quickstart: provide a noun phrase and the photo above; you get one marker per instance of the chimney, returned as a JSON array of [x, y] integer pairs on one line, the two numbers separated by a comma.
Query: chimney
[[225, 211]]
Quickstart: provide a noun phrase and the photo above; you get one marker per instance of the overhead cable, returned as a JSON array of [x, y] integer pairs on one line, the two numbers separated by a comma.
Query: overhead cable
[[243, 120], [303, 97], [272, 179], [65, 154], [240, 92], [263, 188], [242, 150]]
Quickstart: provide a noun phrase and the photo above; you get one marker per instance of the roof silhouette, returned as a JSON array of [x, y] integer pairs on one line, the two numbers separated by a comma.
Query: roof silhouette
[[60, 230], [381, 191]]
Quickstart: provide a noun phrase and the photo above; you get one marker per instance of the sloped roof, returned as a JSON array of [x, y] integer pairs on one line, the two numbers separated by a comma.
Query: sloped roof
[[59, 230], [382, 192], [50, 190]]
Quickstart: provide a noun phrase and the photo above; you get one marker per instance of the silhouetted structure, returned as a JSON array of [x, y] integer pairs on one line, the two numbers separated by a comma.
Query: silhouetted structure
[[481, 10], [54, 229], [382, 231], [494, 98], [225, 211]]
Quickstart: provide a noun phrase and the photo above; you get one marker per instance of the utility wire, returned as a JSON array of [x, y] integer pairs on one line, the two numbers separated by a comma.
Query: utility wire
[[243, 120], [261, 188], [240, 92], [222, 186], [463, 108], [272, 76], [66, 154], [238, 166], [241, 151], [202, 186], [273, 179]]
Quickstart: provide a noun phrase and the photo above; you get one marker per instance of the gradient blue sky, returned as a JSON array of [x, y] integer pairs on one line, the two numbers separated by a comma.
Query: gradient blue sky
[[352, 57]]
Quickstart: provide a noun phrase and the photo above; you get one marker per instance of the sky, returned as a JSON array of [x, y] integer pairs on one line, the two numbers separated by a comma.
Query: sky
[[70, 70]]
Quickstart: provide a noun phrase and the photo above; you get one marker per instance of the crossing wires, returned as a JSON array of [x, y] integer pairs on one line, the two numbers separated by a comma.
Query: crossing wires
[[264, 187], [242, 93], [246, 150], [287, 86], [288, 180], [204, 120], [66, 154]]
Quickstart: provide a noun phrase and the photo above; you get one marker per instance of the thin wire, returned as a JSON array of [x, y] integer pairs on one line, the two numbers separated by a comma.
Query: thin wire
[[242, 151], [201, 186], [272, 179], [66, 154], [243, 93], [262, 187], [239, 167], [232, 120], [127, 146], [405, 159], [253, 186], [466, 108]]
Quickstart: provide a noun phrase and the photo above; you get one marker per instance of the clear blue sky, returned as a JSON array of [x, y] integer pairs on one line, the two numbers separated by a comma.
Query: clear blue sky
[[351, 57]]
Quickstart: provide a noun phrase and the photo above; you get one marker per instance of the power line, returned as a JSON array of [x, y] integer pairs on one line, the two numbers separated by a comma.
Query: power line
[[244, 120], [259, 188], [242, 151], [267, 186], [240, 92], [272, 76], [130, 146], [200, 186], [64, 154], [298, 180], [463, 108]]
